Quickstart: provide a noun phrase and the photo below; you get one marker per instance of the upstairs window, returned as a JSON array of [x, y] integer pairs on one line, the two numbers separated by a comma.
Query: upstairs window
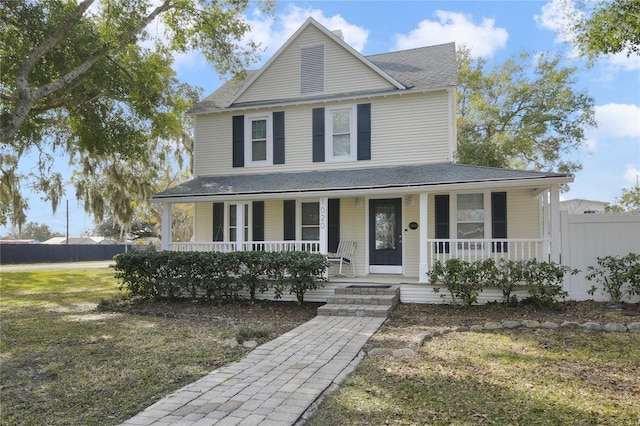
[[340, 132], [258, 140]]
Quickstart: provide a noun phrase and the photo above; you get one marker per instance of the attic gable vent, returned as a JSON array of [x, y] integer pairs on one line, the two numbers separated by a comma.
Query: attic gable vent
[[312, 69]]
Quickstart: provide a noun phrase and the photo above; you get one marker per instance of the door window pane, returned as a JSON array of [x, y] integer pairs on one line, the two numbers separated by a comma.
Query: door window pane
[[385, 222], [310, 221]]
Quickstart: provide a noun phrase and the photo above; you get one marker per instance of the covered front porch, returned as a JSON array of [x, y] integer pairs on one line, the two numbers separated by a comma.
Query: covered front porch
[[401, 220]]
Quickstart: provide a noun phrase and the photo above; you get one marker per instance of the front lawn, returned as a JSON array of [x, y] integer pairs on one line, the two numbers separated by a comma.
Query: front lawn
[[65, 363]]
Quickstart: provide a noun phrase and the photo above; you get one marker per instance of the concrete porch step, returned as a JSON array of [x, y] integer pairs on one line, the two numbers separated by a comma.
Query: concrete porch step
[[361, 301]]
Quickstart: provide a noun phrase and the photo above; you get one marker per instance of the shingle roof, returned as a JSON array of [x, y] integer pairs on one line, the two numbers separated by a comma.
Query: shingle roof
[[424, 68], [347, 180]]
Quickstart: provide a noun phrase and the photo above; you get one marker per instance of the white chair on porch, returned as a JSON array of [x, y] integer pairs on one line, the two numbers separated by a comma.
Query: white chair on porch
[[344, 255]]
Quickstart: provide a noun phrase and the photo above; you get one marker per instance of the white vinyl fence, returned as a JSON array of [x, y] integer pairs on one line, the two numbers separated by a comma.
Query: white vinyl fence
[[586, 237]]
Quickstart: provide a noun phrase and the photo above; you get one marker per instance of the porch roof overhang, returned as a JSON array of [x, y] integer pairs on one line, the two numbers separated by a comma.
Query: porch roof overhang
[[355, 182]]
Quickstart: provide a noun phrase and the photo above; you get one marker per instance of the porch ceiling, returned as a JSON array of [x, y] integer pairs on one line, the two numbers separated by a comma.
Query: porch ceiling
[[354, 180]]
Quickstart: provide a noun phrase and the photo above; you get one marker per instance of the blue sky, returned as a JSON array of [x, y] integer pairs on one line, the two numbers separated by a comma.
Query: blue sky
[[494, 30]]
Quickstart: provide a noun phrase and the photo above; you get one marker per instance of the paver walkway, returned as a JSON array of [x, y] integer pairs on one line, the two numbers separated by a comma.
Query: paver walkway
[[275, 384]]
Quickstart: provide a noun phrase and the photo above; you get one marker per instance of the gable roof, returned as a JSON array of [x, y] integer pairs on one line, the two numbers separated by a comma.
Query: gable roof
[[381, 178], [420, 69]]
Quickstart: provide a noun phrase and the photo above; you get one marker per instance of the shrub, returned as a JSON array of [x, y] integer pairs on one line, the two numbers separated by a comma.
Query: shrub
[[508, 276], [612, 273], [544, 281], [218, 276], [463, 280]]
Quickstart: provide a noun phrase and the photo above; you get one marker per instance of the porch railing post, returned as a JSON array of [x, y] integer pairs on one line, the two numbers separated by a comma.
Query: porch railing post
[[424, 245], [239, 227]]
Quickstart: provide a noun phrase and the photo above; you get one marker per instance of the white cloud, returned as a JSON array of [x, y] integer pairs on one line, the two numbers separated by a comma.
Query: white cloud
[[618, 120], [631, 174], [273, 34], [483, 39]]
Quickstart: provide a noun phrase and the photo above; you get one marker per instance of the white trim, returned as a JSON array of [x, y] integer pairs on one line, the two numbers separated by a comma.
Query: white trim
[[423, 223], [248, 158], [385, 269], [166, 225], [353, 133], [311, 21]]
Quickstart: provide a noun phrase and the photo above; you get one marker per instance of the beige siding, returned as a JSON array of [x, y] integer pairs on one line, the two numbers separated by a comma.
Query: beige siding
[[407, 129], [343, 72], [352, 228], [411, 237], [523, 214], [273, 220], [203, 220]]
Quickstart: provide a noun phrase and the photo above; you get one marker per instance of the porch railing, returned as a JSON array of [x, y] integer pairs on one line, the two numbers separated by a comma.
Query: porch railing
[[473, 250], [311, 246]]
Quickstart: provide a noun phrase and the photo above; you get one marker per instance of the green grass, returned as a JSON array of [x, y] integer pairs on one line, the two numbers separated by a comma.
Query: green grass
[[518, 378], [64, 363]]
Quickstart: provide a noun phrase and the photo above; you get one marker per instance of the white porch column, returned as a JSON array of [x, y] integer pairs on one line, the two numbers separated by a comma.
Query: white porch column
[[166, 226], [324, 228], [422, 223], [239, 227], [554, 223]]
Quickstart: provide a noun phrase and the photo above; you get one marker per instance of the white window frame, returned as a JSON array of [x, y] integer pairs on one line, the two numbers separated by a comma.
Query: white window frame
[[353, 135], [486, 200], [247, 221], [299, 217], [248, 142]]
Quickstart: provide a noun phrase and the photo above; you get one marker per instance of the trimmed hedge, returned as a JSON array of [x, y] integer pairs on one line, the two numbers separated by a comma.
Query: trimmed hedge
[[218, 276]]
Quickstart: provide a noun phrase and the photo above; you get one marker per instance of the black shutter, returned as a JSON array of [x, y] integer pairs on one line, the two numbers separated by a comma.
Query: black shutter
[[278, 137], [258, 220], [218, 221], [289, 220], [317, 118], [499, 220], [238, 140], [442, 222], [333, 224], [364, 132]]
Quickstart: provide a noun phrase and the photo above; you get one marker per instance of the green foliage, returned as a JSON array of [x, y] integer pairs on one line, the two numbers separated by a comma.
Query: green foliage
[[34, 231], [218, 276], [610, 27], [524, 114], [466, 280], [97, 86], [544, 281], [629, 201], [614, 272]]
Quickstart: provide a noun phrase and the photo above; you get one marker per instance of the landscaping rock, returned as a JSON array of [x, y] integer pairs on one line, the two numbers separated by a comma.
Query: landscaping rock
[[592, 326], [615, 327], [550, 325], [570, 325], [229, 343], [634, 327], [492, 325], [378, 351], [476, 327], [250, 344], [511, 324], [531, 323], [403, 353]]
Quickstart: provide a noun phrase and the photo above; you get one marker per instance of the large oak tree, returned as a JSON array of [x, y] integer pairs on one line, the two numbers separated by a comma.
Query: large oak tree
[[525, 113], [93, 81]]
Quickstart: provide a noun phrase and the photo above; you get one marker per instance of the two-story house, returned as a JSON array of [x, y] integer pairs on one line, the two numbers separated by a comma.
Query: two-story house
[[323, 145]]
